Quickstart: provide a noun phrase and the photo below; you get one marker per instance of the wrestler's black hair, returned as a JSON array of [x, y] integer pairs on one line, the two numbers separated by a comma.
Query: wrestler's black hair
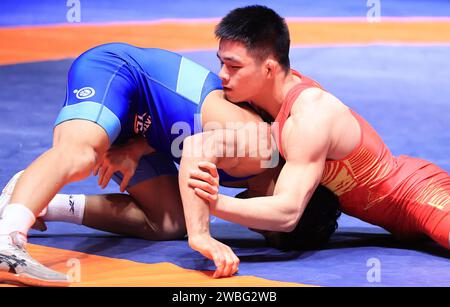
[[261, 29], [317, 224]]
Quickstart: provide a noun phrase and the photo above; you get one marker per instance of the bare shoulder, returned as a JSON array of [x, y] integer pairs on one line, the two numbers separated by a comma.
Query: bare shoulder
[[317, 100], [323, 120], [310, 126], [309, 122], [216, 108], [313, 107]]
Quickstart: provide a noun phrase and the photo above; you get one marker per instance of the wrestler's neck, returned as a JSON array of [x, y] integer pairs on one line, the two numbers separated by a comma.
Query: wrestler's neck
[[274, 92]]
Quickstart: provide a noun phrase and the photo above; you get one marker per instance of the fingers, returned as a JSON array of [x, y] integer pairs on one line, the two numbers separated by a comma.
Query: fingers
[[228, 267], [96, 168], [210, 198], [211, 167], [204, 176], [106, 177], [100, 172], [219, 262], [205, 186], [98, 165], [236, 263], [233, 263], [125, 181], [223, 256], [226, 262]]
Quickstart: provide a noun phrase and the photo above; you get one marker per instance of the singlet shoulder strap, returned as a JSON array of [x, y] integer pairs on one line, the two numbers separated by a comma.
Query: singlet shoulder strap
[[289, 101]]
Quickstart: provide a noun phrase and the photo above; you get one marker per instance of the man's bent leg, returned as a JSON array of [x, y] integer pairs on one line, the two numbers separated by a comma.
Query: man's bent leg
[[152, 211], [76, 147], [153, 208], [77, 144], [160, 200]]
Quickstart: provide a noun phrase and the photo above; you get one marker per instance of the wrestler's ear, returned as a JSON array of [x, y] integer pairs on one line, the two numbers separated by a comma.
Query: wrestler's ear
[[269, 67]]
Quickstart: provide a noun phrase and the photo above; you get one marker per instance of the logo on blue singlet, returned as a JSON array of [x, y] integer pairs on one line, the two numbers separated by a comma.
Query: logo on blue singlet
[[84, 93], [142, 123]]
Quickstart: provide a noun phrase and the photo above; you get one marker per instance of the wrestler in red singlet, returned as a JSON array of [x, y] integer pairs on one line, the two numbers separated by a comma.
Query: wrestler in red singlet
[[404, 195]]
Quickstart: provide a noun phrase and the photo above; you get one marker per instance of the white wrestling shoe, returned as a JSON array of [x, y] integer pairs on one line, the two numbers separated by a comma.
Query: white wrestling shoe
[[7, 191], [18, 267], [5, 198]]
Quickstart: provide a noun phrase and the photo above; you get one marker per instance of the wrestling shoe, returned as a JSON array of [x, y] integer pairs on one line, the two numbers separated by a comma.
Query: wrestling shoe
[[18, 267], [5, 198], [7, 191]]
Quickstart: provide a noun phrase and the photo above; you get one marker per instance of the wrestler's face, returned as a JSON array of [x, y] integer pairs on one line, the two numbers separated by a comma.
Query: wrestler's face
[[242, 75]]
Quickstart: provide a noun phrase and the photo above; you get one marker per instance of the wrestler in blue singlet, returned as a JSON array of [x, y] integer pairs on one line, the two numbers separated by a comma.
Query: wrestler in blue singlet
[[129, 90]]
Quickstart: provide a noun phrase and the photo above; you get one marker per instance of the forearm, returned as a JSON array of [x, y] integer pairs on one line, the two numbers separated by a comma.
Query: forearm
[[265, 213], [279, 212], [210, 147], [196, 210]]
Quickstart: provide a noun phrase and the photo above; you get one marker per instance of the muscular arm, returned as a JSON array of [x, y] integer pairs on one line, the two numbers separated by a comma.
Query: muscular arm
[[197, 148], [280, 212], [237, 151], [244, 145], [212, 146], [306, 142], [306, 149], [235, 140]]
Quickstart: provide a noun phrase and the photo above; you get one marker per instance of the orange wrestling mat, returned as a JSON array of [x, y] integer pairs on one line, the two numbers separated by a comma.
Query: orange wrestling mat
[[98, 271], [38, 43]]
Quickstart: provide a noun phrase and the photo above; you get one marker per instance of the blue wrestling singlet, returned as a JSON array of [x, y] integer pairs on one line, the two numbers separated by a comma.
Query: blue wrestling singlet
[[129, 91]]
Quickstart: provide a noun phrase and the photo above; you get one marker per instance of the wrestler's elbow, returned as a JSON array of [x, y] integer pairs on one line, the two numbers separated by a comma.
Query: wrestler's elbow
[[290, 213], [284, 224], [289, 223]]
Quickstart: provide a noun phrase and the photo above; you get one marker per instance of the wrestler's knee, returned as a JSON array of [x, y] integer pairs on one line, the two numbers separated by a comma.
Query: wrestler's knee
[[76, 162], [77, 146], [173, 230], [165, 224]]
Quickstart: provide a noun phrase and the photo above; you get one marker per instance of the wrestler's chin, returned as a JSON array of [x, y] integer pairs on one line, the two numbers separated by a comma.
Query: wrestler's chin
[[229, 96]]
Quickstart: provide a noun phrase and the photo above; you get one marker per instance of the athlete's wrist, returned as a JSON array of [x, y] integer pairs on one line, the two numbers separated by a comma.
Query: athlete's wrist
[[196, 238]]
